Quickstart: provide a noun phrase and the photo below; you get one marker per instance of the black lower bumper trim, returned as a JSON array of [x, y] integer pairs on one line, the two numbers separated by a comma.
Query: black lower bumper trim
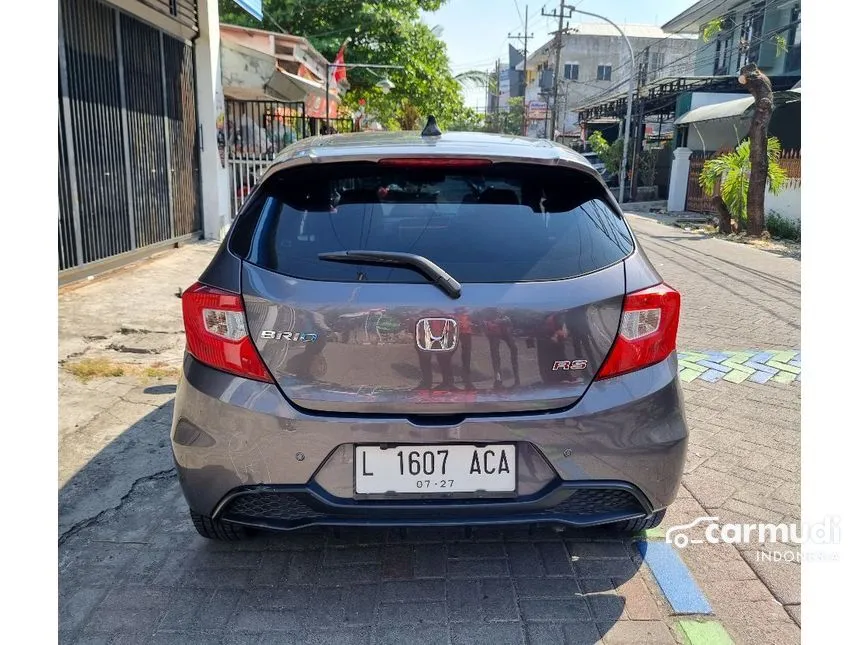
[[573, 503]]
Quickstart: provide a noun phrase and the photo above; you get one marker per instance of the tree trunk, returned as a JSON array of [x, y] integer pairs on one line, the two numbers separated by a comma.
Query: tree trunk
[[759, 86], [723, 214]]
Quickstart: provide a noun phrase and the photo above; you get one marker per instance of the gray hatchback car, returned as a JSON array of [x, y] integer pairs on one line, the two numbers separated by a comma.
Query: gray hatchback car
[[406, 329]]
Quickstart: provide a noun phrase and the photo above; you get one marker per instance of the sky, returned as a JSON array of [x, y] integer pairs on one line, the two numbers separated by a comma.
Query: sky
[[476, 31]]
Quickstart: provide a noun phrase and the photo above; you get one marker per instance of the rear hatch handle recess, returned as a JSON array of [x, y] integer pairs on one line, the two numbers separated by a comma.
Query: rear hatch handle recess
[[433, 272]]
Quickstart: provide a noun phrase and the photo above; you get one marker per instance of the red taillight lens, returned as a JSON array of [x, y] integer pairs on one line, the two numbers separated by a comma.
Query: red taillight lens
[[455, 162], [216, 333], [648, 331]]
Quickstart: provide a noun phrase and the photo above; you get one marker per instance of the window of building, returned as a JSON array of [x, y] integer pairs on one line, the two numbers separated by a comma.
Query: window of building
[[604, 72], [571, 71], [724, 47], [750, 35], [656, 65], [792, 57]]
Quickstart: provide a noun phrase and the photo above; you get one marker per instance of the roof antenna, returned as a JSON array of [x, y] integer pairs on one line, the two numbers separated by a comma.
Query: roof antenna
[[431, 129]]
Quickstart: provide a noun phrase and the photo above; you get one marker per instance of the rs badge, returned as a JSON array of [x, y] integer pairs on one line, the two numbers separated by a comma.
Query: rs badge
[[579, 364]]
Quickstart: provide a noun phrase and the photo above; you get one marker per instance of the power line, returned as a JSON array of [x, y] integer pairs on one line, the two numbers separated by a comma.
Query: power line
[[754, 41], [525, 40], [519, 13], [675, 61], [698, 49]]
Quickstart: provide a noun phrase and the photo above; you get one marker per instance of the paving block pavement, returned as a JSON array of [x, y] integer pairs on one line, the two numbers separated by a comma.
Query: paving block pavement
[[133, 570]]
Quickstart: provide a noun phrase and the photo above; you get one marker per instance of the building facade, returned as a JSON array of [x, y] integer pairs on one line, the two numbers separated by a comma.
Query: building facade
[[744, 31], [594, 61], [138, 102]]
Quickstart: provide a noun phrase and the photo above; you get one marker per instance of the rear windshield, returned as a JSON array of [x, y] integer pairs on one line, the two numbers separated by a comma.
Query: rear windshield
[[499, 223]]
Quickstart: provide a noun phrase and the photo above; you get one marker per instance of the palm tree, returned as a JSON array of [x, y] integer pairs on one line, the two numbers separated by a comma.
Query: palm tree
[[476, 78], [727, 178]]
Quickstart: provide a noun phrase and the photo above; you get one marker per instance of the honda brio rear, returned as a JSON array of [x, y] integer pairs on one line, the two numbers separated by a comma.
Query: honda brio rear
[[414, 330]]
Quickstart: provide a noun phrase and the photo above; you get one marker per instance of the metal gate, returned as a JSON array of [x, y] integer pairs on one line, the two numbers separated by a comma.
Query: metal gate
[[697, 200], [128, 171], [256, 131]]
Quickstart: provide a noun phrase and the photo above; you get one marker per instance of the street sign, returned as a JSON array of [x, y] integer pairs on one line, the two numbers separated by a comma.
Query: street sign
[[253, 7], [537, 109]]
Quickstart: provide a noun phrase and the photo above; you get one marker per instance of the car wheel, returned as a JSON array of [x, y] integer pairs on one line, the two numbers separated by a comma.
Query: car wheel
[[634, 526], [217, 530]]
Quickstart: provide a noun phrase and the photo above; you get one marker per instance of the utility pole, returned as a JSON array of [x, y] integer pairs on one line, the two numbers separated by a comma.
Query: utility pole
[[498, 86], [556, 69], [640, 119], [623, 174], [525, 40]]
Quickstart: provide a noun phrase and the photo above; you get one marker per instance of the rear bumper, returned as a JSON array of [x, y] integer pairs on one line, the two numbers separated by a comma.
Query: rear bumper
[[293, 507], [231, 435]]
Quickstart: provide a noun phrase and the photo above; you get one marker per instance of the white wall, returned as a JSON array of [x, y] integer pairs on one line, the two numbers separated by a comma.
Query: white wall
[[710, 136], [214, 178], [787, 203]]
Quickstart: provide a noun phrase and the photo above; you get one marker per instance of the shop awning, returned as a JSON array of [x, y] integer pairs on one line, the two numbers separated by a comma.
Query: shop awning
[[737, 108], [725, 110], [248, 74]]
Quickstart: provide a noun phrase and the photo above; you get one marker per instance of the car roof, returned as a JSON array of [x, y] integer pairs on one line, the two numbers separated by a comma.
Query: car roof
[[374, 145]]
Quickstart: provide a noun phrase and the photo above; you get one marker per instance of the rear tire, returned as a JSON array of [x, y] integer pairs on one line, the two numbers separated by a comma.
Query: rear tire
[[641, 524], [213, 529]]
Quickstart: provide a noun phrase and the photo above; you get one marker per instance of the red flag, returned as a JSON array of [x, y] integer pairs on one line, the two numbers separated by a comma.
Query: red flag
[[340, 72]]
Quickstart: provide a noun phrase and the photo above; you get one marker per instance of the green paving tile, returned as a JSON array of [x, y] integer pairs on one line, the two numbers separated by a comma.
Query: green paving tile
[[737, 376], [783, 357], [783, 366], [693, 356], [704, 633], [688, 375], [783, 377]]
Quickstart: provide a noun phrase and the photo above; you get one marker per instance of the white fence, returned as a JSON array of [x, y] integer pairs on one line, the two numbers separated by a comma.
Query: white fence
[[244, 174]]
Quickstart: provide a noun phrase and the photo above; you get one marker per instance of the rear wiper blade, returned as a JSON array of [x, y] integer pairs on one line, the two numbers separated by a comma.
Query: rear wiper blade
[[433, 272]]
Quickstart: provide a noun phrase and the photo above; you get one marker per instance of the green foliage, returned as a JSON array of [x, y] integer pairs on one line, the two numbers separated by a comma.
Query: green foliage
[[474, 77], [468, 121], [781, 44], [782, 228], [647, 162], [712, 30], [715, 27], [609, 154], [730, 174], [509, 121], [381, 33]]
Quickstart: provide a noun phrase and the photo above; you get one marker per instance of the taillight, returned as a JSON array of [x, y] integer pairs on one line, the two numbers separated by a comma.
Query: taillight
[[647, 333], [216, 333]]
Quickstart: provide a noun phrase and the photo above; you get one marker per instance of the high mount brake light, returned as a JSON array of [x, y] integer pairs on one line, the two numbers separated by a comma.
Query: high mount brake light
[[447, 162], [216, 333], [647, 333]]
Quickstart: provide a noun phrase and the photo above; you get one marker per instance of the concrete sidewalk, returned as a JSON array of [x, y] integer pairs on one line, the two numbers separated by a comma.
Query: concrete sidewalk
[[120, 351]]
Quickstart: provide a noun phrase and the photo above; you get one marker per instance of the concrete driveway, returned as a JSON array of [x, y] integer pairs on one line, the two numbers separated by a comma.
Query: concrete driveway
[[132, 569]]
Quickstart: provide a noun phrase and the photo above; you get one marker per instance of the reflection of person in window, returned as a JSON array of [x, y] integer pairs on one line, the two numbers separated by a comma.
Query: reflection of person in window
[[551, 348], [425, 362], [498, 329], [310, 364], [464, 324]]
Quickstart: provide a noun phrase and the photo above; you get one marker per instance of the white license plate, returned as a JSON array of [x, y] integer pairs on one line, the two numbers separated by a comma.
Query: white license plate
[[435, 469]]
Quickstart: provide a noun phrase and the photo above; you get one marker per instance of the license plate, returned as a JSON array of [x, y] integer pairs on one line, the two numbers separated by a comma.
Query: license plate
[[435, 469]]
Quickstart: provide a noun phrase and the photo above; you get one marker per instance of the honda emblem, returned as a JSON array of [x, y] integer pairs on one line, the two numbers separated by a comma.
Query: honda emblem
[[436, 334]]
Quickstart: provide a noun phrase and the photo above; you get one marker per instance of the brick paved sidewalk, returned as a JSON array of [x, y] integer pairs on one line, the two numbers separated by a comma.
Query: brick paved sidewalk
[[744, 456]]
